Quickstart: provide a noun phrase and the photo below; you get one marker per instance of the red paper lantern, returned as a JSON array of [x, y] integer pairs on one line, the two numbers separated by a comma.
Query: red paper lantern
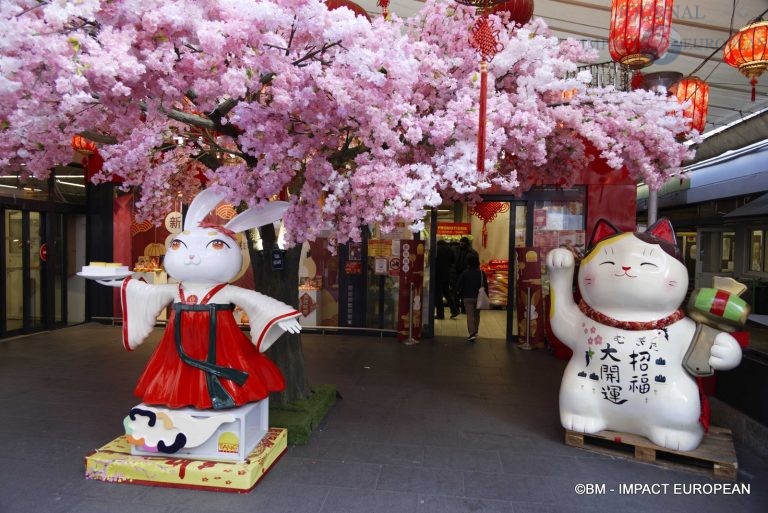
[[520, 11], [639, 31], [83, 145], [695, 91], [352, 6], [746, 50]]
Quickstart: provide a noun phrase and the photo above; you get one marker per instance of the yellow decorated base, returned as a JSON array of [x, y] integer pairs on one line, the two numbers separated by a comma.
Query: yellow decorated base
[[114, 463]]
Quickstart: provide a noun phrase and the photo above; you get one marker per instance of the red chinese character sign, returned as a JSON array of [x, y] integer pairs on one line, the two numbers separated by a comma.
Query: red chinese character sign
[[410, 301], [307, 305], [636, 355]]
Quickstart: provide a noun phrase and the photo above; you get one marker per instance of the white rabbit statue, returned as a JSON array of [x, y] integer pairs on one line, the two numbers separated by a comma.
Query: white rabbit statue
[[204, 360], [629, 338]]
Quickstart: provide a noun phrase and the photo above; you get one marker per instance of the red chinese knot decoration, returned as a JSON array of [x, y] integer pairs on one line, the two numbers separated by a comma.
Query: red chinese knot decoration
[[746, 50], [696, 92], [487, 211], [485, 40], [639, 32]]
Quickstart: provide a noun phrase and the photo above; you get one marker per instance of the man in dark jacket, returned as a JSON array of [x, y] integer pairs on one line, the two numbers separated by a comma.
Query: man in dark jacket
[[444, 263], [465, 249]]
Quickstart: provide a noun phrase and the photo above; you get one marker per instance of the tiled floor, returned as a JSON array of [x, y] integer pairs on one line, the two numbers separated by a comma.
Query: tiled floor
[[439, 427], [493, 325]]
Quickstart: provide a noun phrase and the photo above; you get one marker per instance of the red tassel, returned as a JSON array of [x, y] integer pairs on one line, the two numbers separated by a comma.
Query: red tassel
[[384, 4], [754, 83], [481, 122], [485, 40]]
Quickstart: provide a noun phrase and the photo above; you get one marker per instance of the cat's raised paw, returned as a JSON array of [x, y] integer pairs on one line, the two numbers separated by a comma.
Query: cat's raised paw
[[560, 259]]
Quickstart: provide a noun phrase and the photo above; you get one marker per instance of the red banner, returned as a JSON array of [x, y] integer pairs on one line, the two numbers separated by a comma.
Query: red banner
[[411, 273], [453, 229]]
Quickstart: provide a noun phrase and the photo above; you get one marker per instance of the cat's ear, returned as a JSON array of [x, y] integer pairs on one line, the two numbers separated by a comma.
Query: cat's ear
[[663, 230], [603, 229]]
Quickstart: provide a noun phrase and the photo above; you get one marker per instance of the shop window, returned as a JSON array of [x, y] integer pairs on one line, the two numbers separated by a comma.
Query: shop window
[[717, 251], [727, 249], [558, 224], [757, 251]]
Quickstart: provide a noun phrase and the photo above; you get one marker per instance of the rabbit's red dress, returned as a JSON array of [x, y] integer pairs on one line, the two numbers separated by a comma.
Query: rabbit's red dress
[[204, 360]]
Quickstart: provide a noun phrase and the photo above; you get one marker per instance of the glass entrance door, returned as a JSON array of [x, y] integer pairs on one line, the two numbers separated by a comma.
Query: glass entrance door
[[14, 271], [25, 271]]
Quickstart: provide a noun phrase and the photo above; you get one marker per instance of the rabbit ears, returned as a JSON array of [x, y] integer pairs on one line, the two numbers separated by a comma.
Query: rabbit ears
[[251, 218]]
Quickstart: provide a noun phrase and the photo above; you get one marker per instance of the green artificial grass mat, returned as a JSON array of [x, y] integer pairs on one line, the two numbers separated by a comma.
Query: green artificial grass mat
[[300, 418]]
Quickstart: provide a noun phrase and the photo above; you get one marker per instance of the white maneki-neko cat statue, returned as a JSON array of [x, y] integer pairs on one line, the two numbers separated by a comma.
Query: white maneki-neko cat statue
[[203, 361], [630, 338]]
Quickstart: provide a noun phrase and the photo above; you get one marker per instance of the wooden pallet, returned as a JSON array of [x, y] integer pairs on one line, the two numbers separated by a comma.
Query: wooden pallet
[[714, 457]]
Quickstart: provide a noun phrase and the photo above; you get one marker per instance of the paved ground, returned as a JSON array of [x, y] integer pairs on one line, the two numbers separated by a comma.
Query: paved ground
[[441, 427]]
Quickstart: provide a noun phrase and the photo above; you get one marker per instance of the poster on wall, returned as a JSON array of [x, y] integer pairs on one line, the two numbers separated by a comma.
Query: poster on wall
[[380, 265], [409, 305], [353, 268], [379, 248], [530, 306], [354, 251]]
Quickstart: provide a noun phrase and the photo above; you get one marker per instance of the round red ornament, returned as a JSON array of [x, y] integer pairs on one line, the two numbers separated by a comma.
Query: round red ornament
[[520, 11]]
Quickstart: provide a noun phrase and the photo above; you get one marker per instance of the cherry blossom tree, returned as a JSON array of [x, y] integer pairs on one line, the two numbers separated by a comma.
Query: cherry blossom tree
[[362, 123], [357, 123]]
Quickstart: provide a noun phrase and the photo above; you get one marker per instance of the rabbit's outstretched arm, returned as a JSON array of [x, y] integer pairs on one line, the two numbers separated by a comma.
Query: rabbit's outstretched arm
[[268, 317], [142, 303]]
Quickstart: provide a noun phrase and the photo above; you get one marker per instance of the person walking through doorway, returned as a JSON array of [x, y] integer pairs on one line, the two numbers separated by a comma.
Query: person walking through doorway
[[469, 285], [444, 263], [465, 249]]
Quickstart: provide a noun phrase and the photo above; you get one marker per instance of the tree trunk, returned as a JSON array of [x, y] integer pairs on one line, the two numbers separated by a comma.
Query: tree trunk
[[283, 285]]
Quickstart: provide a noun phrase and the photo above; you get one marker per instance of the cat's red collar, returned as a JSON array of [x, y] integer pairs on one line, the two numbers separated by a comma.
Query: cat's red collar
[[630, 325]]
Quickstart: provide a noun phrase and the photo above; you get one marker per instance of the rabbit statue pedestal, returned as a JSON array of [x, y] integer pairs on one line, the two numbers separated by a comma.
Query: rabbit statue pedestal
[[222, 450], [114, 463], [224, 435]]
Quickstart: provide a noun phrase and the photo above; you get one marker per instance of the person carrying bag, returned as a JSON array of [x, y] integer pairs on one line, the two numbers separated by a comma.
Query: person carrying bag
[[473, 285], [483, 301]]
